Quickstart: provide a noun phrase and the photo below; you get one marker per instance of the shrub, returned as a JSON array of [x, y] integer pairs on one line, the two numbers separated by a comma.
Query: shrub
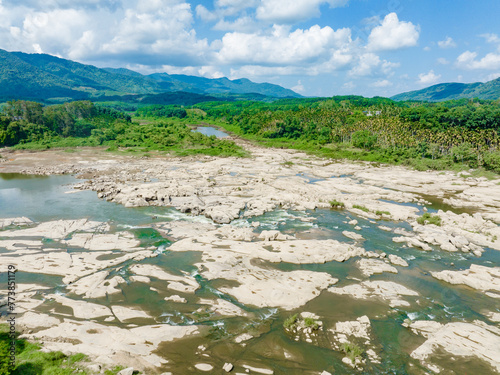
[[310, 322], [380, 213], [362, 208], [427, 218], [351, 350], [336, 204], [291, 322]]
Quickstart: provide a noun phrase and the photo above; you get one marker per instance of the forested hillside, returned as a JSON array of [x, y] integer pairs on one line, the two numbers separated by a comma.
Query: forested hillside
[[48, 78], [450, 91]]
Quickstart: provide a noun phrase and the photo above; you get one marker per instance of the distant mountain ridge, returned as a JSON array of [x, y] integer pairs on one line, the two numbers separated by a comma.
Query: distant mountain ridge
[[46, 77], [449, 91]]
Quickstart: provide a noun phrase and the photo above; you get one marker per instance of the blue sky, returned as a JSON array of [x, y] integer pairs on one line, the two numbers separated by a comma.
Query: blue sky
[[315, 47]]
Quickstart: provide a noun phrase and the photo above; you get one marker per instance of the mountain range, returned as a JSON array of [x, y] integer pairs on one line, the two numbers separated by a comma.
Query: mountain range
[[50, 78], [448, 91]]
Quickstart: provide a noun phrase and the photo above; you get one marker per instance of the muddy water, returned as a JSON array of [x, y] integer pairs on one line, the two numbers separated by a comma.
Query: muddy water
[[49, 198]]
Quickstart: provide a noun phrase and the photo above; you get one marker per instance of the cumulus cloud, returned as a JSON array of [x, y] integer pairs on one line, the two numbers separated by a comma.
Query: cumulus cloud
[[493, 76], [468, 60], [491, 38], [393, 34], [382, 83], [287, 12], [282, 46], [299, 87], [369, 64], [442, 61], [155, 32], [428, 78], [447, 43]]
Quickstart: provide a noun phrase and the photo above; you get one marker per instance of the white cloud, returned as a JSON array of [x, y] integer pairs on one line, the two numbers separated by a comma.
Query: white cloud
[[491, 38], [493, 76], [282, 47], [242, 24], [369, 64], [382, 83], [205, 14], [447, 43], [428, 78], [285, 11], [299, 87], [442, 61], [393, 34], [467, 60]]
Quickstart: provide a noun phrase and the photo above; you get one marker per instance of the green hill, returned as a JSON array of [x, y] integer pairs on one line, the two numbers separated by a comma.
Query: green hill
[[450, 91], [49, 78]]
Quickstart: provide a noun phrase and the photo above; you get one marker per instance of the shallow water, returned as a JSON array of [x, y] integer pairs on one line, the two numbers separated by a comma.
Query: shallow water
[[208, 130], [50, 198]]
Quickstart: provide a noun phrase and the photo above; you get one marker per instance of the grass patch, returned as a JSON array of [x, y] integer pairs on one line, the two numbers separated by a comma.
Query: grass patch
[[291, 322], [336, 204], [380, 213], [351, 350], [362, 208], [427, 218], [311, 323], [30, 360]]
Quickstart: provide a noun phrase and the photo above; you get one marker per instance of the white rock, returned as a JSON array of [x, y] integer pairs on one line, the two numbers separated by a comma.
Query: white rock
[[228, 367], [204, 366]]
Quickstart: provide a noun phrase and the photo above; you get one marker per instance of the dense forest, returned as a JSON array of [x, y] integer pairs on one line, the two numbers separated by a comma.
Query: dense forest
[[424, 135], [26, 124], [459, 133]]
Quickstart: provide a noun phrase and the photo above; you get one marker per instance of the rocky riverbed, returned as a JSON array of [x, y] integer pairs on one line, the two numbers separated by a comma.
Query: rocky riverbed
[[231, 247]]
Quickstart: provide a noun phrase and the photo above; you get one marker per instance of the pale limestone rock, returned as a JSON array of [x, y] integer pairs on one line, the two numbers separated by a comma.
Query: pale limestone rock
[[223, 307], [123, 241], [123, 313], [127, 371], [353, 235], [82, 309], [185, 284], [372, 266], [110, 344], [477, 277], [228, 367], [204, 366], [35, 320], [176, 298], [18, 221], [385, 290], [96, 285], [459, 339], [274, 235], [397, 260]]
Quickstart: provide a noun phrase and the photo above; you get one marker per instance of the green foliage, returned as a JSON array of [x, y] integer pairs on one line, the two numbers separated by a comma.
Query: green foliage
[[30, 360], [362, 208], [291, 322], [336, 204], [364, 139], [311, 323], [115, 370], [83, 124], [161, 111], [380, 213], [449, 91], [351, 350], [427, 218]]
